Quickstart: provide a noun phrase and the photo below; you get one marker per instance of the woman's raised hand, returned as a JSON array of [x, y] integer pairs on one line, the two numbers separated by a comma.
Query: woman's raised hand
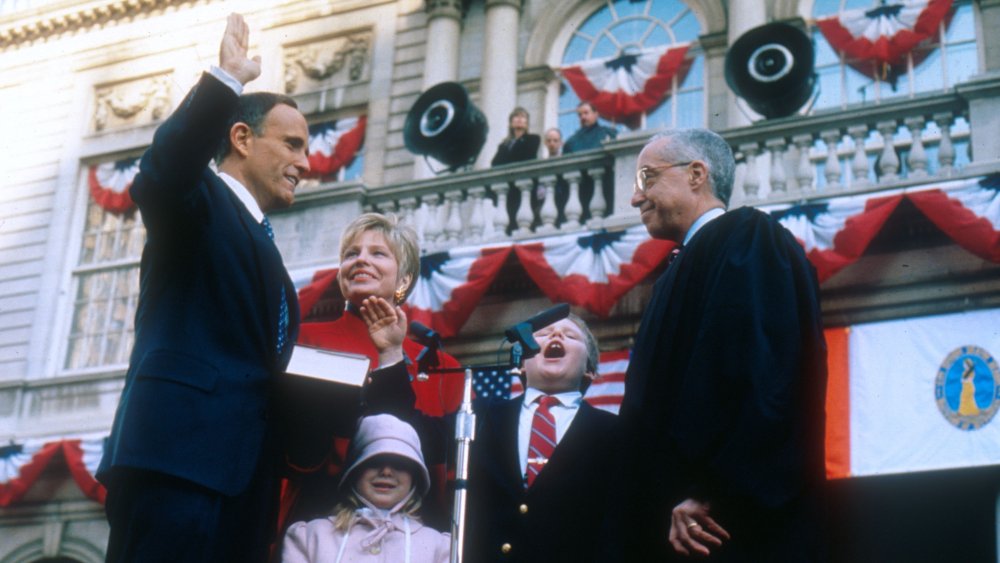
[[386, 327]]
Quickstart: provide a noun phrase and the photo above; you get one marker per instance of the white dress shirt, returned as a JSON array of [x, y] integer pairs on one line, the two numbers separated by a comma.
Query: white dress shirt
[[563, 413]]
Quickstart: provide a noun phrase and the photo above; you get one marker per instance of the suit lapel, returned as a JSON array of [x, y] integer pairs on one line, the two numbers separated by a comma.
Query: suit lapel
[[269, 268]]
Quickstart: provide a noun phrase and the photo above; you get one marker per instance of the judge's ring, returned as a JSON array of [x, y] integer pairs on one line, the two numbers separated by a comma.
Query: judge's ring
[[692, 524]]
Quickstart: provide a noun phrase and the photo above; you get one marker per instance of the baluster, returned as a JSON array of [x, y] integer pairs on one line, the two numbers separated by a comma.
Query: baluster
[[548, 212], [859, 163], [918, 156], [778, 176], [832, 166], [889, 162], [946, 149], [751, 180], [598, 205], [432, 229], [407, 208], [501, 219], [574, 209], [477, 219], [453, 224], [804, 172], [524, 215]]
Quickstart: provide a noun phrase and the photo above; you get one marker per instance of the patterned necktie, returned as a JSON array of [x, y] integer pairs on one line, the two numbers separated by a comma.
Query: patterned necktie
[[543, 437], [283, 307]]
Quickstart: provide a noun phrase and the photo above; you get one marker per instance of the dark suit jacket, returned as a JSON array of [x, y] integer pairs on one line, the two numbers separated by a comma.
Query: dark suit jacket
[[561, 517], [197, 399], [724, 396], [523, 148]]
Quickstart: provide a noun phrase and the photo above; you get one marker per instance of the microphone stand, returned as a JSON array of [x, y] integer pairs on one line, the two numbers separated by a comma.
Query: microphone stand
[[465, 434]]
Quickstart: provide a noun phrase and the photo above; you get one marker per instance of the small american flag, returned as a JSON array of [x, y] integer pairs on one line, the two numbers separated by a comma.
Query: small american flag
[[605, 393], [493, 383]]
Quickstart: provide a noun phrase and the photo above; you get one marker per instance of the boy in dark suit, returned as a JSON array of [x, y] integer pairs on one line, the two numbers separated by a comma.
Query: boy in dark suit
[[541, 464], [190, 465]]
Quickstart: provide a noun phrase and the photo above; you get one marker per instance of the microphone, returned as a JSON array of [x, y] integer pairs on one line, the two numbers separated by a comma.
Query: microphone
[[425, 335], [521, 332], [428, 358]]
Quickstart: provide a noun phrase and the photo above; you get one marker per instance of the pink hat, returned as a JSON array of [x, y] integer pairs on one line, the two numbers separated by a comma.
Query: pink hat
[[384, 434]]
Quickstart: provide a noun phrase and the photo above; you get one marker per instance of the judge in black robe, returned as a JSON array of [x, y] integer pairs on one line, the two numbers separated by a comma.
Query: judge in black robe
[[724, 395]]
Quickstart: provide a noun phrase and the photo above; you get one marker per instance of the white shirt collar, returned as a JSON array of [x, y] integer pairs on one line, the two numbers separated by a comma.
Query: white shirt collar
[[243, 194], [566, 398], [701, 221]]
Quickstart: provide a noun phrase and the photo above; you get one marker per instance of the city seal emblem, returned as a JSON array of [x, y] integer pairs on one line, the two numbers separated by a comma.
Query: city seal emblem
[[967, 387]]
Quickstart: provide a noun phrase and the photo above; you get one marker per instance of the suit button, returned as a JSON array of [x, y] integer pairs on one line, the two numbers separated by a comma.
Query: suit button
[[523, 509], [505, 548], [368, 380]]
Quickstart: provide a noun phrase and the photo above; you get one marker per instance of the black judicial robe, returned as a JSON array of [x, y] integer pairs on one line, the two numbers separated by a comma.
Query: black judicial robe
[[725, 393]]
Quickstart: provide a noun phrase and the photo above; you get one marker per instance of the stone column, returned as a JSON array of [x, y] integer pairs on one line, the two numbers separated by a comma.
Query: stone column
[[744, 15], [498, 84], [444, 25]]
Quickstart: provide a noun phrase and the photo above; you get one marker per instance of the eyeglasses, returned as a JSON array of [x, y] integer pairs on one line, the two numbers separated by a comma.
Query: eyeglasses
[[642, 175]]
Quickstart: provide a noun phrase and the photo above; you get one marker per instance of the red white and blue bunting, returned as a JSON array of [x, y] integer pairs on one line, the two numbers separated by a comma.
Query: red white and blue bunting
[[836, 233], [880, 38], [592, 270], [109, 183], [629, 84], [22, 463], [334, 144], [589, 269]]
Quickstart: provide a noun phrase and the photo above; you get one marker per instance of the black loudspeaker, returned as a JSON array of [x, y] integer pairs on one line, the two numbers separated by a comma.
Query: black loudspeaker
[[446, 125], [771, 67]]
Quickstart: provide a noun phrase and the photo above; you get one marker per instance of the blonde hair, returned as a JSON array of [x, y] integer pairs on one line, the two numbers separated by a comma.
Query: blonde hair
[[401, 238]]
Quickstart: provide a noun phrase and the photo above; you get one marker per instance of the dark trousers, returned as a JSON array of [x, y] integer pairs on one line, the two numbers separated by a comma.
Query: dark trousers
[[156, 517]]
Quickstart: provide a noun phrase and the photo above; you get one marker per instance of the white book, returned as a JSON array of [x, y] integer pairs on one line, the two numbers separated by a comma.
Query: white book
[[327, 365]]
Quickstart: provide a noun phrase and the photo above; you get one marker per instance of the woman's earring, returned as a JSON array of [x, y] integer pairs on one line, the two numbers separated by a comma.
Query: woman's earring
[[400, 295]]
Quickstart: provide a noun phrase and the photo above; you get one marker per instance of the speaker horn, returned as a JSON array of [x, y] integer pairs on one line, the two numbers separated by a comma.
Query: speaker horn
[[444, 124], [771, 68]]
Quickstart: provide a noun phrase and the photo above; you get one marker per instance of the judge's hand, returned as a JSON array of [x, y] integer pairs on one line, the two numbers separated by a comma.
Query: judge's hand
[[693, 531], [233, 51], [386, 327]]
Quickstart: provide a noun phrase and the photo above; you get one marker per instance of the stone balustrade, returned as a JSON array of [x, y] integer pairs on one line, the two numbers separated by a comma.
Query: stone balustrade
[[851, 151], [510, 202]]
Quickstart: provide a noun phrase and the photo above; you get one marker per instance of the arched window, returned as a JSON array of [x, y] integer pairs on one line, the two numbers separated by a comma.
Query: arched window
[[626, 27], [947, 58]]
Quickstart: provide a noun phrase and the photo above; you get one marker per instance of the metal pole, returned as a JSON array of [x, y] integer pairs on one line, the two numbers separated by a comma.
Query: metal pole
[[465, 430]]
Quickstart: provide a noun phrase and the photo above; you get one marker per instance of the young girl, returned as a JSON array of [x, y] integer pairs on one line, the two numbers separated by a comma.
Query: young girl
[[377, 520]]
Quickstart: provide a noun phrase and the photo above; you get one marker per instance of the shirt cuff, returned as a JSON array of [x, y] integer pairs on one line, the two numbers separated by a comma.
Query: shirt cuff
[[226, 79]]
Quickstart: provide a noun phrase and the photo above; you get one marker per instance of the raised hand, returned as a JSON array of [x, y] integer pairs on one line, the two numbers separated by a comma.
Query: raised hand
[[233, 51], [386, 327]]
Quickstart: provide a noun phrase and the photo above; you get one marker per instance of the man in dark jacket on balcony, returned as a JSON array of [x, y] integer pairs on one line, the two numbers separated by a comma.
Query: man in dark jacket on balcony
[[590, 135], [725, 389]]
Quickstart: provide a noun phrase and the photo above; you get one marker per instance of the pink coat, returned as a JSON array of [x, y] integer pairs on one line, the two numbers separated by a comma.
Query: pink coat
[[317, 541]]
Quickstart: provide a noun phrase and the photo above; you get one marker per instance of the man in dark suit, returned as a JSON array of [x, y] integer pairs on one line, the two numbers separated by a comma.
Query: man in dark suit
[[190, 465], [591, 134], [527, 504], [725, 389]]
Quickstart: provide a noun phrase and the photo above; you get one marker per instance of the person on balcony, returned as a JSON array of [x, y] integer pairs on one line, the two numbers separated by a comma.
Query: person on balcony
[[725, 390], [191, 463], [379, 265], [519, 145], [591, 134], [553, 142]]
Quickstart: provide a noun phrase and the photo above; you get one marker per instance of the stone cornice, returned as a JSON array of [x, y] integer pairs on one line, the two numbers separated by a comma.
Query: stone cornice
[[20, 28]]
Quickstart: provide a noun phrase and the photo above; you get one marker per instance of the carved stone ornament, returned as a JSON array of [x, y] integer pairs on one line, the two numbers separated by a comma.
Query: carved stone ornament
[[132, 103], [323, 62]]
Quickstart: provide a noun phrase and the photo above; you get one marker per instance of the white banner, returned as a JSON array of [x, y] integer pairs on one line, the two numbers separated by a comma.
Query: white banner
[[924, 393]]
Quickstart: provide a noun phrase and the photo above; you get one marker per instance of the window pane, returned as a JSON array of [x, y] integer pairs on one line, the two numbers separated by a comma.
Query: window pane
[[687, 28], [690, 110]]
